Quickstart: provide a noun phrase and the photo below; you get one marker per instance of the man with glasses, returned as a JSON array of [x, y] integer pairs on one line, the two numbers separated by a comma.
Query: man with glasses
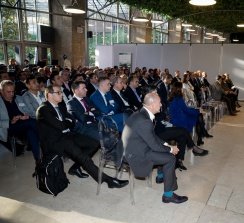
[[55, 125]]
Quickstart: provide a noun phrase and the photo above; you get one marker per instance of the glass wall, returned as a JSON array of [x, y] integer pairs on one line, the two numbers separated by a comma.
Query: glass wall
[[19, 28], [108, 23]]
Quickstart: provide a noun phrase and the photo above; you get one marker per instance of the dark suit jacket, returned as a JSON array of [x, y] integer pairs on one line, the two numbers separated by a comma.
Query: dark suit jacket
[[53, 139], [121, 106], [132, 99], [86, 124], [90, 89], [98, 102], [163, 94], [140, 141]]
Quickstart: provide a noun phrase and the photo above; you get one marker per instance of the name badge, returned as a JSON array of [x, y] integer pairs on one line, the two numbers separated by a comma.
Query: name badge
[[21, 104]]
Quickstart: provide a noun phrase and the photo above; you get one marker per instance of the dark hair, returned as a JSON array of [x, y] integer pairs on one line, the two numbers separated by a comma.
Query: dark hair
[[184, 78], [76, 84], [29, 78], [131, 78], [52, 76], [176, 91], [101, 79]]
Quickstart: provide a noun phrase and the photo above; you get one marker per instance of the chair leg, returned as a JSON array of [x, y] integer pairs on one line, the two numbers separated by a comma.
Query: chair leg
[[149, 180], [132, 184], [13, 146], [100, 172]]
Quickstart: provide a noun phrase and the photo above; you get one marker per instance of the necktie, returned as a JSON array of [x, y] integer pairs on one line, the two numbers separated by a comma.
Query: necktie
[[59, 113], [85, 105]]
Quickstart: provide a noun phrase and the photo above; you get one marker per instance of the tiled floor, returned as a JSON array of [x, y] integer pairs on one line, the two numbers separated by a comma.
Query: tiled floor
[[214, 185]]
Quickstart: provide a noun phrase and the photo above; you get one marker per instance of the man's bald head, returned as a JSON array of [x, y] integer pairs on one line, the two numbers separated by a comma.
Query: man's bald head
[[152, 102]]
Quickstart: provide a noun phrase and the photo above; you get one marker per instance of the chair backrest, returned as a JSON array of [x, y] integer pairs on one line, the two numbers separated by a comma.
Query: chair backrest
[[109, 138]]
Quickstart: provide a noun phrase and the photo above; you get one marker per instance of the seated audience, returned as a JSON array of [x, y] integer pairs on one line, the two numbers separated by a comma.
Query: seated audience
[[14, 119], [55, 125], [183, 116], [219, 94], [104, 103]]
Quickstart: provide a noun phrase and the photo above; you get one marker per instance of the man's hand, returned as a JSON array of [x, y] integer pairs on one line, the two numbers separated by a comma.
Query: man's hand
[[24, 117], [15, 119], [174, 150]]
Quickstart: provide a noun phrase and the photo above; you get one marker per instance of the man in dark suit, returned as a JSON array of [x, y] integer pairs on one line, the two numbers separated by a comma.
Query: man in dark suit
[[55, 125], [118, 95], [143, 149], [163, 90], [92, 84], [81, 109], [105, 104], [132, 93]]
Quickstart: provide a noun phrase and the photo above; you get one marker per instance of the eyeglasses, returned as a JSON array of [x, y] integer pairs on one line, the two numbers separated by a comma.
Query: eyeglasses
[[57, 92]]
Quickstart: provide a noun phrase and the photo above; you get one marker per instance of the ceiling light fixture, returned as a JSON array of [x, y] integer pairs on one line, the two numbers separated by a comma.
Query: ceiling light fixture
[[190, 30], [140, 19], [186, 25], [202, 2], [157, 21], [235, 40], [208, 37], [240, 25], [74, 8], [222, 39]]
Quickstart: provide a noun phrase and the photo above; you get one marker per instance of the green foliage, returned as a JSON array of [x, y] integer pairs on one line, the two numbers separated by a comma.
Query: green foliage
[[223, 16]]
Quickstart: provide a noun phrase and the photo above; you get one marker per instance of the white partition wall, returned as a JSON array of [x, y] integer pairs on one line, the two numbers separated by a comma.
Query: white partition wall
[[233, 64], [206, 57], [104, 56], [175, 57], [213, 58]]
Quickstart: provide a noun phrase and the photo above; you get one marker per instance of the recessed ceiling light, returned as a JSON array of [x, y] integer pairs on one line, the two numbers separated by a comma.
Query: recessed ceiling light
[[202, 2], [190, 30], [186, 25], [240, 25], [157, 21], [140, 19]]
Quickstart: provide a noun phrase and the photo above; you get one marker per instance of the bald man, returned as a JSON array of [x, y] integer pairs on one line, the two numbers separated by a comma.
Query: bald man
[[143, 149]]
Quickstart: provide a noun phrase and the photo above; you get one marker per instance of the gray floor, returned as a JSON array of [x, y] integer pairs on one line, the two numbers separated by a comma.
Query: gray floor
[[214, 185]]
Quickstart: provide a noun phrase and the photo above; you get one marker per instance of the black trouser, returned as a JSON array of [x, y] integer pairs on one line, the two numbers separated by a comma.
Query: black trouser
[[28, 128], [178, 134], [81, 149]]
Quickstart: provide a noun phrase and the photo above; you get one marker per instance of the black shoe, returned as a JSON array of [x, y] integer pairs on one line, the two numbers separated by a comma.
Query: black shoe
[[116, 183], [208, 136], [175, 199], [159, 180], [179, 165], [77, 172], [204, 152], [200, 142]]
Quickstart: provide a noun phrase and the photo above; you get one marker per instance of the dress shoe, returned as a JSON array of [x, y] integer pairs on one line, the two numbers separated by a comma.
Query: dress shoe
[[208, 136], [116, 183], [200, 142], [77, 172], [159, 180], [203, 152], [174, 199], [179, 165]]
